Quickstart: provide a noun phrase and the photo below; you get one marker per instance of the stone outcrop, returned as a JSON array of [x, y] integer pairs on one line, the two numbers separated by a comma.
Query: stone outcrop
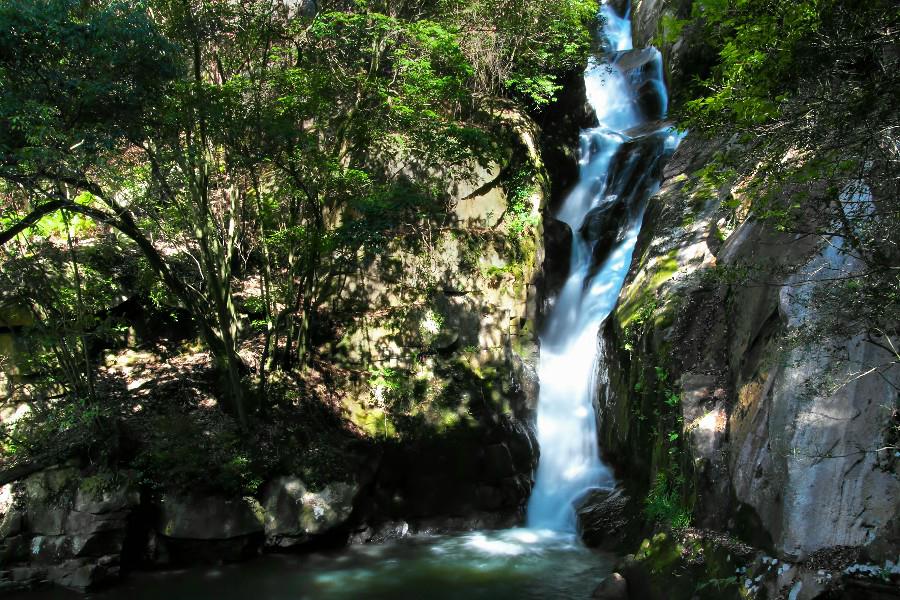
[[294, 514], [767, 450], [784, 452], [458, 482], [667, 24], [607, 519], [58, 528], [786, 446]]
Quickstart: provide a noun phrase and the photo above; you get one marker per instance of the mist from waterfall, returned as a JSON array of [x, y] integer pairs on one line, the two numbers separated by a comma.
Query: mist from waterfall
[[620, 168]]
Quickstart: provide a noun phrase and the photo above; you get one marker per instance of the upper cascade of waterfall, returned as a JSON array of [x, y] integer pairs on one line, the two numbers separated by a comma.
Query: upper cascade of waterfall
[[620, 168], [617, 28]]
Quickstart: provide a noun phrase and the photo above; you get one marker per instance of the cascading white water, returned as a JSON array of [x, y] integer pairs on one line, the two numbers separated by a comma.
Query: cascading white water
[[620, 164]]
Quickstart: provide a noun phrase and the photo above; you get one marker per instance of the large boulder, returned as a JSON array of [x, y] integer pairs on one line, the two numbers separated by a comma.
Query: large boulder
[[498, 462], [645, 70], [604, 227], [199, 517], [196, 528], [606, 518], [652, 100], [614, 587], [640, 63], [60, 527], [294, 513]]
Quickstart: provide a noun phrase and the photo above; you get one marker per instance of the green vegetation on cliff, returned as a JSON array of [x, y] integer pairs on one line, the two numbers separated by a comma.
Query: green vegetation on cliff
[[807, 88]]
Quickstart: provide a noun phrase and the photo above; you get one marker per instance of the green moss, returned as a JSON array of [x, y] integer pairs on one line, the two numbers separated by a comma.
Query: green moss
[[636, 326], [375, 423], [665, 269], [687, 565], [102, 482], [452, 396], [660, 553], [522, 341], [639, 294]]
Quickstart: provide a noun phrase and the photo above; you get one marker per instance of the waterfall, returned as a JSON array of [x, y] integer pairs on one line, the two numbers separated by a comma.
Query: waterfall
[[620, 168]]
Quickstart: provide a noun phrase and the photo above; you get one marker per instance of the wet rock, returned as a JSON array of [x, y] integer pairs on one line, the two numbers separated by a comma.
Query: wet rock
[[561, 123], [636, 166], [155, 551], [391, 530], [13, 549], [651, 100], [689, 56], [605, 518], [19, 577], [558, 247], [84, 574], [644, 69], [604, 226], [293, 513], [200, 517], [498, 462], [639, 63], [515, 489], [525, 391], [603, 221], [489, 497], [620, 6], [614, 587]]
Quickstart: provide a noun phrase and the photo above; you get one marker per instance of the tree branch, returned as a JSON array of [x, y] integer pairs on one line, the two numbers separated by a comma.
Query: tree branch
[[31, 219]]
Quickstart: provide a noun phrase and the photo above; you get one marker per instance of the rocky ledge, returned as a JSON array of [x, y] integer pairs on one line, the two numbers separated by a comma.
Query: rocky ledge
[[60, 526]]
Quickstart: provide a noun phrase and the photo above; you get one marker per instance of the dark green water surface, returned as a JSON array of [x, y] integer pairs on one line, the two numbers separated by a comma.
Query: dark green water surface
[[514, 564]]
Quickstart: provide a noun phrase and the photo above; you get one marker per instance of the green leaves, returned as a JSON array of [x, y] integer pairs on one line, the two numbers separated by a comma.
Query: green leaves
[[664, 502], [757, 44], [75, 78]]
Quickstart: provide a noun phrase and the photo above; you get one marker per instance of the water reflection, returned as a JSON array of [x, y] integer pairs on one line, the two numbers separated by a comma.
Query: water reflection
[[516, 563]]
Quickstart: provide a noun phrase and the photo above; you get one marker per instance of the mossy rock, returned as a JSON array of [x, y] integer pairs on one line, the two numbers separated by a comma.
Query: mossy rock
[[686, 564]]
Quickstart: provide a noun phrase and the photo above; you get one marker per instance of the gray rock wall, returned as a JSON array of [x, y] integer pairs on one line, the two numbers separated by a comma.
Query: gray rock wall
[[59, 528], [785, 446]]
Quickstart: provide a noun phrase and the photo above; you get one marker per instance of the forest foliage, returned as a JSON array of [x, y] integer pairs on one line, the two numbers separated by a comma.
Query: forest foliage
[[183, 151]]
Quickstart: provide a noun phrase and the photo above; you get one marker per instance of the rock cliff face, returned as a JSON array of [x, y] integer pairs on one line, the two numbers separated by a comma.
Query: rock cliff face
[[706, 396], [763, 440]]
